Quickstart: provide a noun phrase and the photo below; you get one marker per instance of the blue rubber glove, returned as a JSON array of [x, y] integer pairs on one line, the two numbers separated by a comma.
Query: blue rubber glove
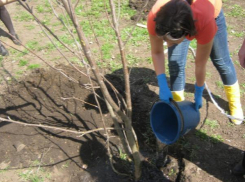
[[164, 91], [198, 96]]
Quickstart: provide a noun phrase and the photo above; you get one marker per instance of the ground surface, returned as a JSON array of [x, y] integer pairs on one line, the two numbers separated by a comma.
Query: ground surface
[[208, 153]]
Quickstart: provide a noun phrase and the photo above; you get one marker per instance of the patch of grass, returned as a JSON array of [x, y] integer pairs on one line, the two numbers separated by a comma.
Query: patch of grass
[[86, 27], [193, 44], [29, 27], [237, 11], [18, 53], [216, 138], [126, 11], [171, 172], [132, 60], [46, 20], [230, 124], [31, 176], [139, 35], [219, 84], [242, 88], [202, 134], [114, 65], [40, 9], [238, 34], [188, 94], [122, 155], [212, 123], [149, 60], [19, 72], [23, 62], [33, 66], [4, 170], [106, 49], [208, 74], [24, 16], [32, 44], [67, 39]]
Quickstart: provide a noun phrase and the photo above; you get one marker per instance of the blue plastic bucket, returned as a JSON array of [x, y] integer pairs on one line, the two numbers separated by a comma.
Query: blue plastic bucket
[[173, 120]]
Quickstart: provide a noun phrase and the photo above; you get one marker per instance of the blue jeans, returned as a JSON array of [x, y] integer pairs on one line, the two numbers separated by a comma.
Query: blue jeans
[[220, 57]]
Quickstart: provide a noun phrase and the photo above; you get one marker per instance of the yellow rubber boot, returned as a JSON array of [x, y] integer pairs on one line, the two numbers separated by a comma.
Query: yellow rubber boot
[[178, 96], [233, 96]]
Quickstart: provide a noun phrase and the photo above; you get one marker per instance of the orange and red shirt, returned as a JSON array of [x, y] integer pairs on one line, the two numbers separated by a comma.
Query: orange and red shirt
[[204, 14]]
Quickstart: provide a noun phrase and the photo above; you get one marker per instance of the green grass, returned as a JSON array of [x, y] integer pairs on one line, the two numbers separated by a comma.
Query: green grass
[[115, 65], [33, 66], [122, 155], [202, 134], [106, 49], [219, 84], [212, 123], [19, 72], [24, 16], [237, 11], [33, 44], [132, 60], [29, 27], [40, 9], [23, 62], [208, 75], [188, 94], [139, 35], [193, 44], [216, 138], [4, 170], [238, 34]]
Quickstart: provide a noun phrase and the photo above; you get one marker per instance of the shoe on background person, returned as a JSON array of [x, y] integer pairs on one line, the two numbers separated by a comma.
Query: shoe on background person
[[15, 39], [3, 50]]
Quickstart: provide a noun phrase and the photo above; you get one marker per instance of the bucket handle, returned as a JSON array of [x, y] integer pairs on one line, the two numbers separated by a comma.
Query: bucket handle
[[181, 115]]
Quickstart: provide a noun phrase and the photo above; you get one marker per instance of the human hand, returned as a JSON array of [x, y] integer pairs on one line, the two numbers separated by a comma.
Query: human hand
[[198, 96], [241, 55], [164, 92]]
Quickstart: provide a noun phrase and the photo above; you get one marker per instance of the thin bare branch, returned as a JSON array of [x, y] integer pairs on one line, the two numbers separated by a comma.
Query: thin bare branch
[[124, 62], [77, 44], [74, 98], [48, 29], [81, 133]]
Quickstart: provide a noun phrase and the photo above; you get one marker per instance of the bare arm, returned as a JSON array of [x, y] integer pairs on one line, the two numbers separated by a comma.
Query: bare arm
[[157, 54], [241, 55], [203, 53]]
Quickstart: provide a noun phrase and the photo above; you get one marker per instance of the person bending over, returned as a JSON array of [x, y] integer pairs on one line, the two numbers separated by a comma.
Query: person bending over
[[178, 22]]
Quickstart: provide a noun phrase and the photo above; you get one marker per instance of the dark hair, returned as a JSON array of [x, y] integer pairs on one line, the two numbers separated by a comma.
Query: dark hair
[[176, 18]]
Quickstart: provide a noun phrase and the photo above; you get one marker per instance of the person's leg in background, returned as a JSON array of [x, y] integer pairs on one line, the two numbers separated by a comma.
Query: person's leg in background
[[6, 19], [176, 63], [221, 59]]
